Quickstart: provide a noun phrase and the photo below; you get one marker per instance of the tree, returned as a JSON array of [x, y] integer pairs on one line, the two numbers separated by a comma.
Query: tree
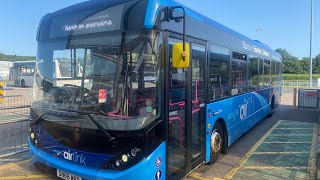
[[4, 57], [316, 65], [305, 64], [290, 63]]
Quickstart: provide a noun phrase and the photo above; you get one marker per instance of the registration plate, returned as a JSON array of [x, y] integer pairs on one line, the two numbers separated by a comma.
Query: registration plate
[[67, 176]]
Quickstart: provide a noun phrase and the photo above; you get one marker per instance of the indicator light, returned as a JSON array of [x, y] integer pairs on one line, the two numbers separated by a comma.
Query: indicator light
[[133, 152]]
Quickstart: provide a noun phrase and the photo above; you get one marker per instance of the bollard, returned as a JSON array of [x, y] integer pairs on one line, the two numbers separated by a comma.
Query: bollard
[[2, 93], [294, 98]]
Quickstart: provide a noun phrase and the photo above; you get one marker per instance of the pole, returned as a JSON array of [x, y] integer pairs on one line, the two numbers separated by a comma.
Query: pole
[[311, 38], [259, 34]]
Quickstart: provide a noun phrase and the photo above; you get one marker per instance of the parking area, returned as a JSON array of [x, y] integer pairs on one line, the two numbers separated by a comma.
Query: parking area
[[281, 147]]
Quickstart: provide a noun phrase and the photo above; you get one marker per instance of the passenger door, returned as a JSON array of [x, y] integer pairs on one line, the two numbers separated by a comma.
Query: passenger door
[[186, 107]]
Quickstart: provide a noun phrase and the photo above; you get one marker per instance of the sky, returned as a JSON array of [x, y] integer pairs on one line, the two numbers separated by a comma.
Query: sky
[[284, 23]]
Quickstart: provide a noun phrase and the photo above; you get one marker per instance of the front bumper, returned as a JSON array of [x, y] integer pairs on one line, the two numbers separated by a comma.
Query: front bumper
[[146, 169]]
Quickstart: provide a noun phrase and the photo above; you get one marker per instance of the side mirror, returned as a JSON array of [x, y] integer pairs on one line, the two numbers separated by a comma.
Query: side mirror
[[180, 57]]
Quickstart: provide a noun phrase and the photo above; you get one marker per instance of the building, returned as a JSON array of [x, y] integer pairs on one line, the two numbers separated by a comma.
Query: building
[[5, 67]]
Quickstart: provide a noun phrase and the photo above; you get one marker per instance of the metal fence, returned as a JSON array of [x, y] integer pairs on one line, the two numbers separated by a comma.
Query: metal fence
[[309, 98], [14, 119], [15, 105], [300, 84], [13, 137]]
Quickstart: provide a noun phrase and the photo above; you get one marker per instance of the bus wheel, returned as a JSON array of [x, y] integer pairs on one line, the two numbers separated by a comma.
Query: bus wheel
[[216, 142], [23, 83]]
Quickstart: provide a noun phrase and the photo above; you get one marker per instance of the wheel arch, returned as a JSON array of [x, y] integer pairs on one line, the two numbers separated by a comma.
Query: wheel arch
[[22, 82]]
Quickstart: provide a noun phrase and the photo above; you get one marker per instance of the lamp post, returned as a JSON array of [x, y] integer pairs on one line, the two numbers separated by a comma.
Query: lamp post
[[259, 34], [311, 38]]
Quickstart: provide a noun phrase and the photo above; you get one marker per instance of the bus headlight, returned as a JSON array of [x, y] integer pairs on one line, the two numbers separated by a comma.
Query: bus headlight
[[32, 135], [127, 158], [124, 158]]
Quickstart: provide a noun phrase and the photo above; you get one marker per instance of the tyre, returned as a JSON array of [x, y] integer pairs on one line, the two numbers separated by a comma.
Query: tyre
[[216, 143], [23, 83]]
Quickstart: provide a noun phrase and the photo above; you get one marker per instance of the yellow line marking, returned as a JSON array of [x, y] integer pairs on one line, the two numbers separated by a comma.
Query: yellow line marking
[[233, 171], [313, 154], [8, 166], [293, 122], [199, 177], [290, 134], [272, 167], [286, 142], [27, 160], [303, 152], [13, 165], [295, 128], [24, 177]]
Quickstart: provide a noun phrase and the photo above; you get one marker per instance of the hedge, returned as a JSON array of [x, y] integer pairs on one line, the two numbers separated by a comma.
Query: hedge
[[298, 77]]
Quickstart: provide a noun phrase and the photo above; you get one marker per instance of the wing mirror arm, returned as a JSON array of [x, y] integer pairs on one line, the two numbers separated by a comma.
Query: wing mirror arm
[[178, 19]]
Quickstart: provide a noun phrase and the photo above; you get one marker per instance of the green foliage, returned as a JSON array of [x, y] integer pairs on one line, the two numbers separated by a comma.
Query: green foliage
[[298, 77], [4, 57], [293, 65]]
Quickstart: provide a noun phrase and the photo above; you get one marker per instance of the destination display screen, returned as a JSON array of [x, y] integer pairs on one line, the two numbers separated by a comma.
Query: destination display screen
[[91, 21], [93, 17]]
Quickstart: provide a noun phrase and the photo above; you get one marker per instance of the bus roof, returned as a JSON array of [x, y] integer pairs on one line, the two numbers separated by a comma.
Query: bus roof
[[154, 8], [25, 62], [82, 12]]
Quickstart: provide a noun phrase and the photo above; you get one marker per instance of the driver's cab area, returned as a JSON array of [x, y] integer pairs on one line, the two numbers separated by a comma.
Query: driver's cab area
[[121, 82]]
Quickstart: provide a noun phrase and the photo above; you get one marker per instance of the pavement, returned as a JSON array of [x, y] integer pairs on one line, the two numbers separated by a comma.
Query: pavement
[[284, 146]]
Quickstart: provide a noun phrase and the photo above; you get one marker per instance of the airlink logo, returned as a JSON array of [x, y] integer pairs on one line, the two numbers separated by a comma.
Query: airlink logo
[[71, 156]]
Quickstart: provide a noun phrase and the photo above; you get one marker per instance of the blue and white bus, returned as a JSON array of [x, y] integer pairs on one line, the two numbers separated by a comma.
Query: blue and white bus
[[162, 89]]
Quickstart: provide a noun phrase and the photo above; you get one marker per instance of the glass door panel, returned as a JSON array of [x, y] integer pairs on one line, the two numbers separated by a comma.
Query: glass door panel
[[177, 146], [198, 100]]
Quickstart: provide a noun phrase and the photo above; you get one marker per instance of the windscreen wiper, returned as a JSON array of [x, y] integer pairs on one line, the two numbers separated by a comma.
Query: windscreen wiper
[[87, 113], [49, 112], [106, 134]]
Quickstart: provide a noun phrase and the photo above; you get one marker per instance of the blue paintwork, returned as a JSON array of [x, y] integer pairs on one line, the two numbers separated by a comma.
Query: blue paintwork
[[229, 110], [154, 6], [145, 169]]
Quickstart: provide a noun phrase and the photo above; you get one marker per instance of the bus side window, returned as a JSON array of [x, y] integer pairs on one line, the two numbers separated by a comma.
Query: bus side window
[[278, 71], [273, 73], [219, 76], [266, 73], [261, 79], [253, 73], [239, 73]]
